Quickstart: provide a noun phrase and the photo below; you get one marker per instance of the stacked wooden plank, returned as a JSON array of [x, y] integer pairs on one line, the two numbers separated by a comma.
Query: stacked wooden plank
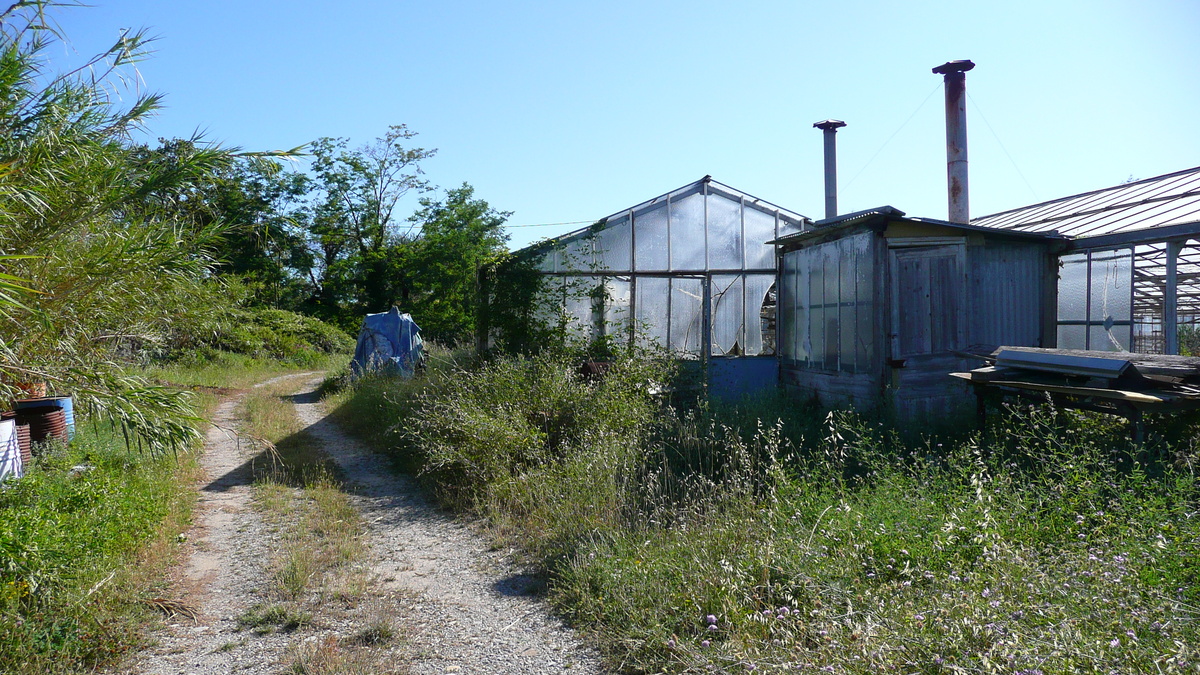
[[1118, 382]]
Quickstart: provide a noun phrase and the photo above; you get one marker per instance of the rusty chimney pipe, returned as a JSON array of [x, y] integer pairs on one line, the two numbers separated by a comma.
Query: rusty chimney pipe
[[954, 75], [829, 128]]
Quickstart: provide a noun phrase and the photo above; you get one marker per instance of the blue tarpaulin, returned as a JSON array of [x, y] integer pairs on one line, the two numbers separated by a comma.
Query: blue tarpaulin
[[389, 342]]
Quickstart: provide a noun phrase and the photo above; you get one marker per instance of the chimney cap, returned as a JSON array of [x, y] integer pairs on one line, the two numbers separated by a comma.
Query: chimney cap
[[954, 67], [829, 124]]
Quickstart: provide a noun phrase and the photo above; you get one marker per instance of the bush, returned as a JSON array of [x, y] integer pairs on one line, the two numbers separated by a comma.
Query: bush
[[74, 561], [771, 536], [268, 333]]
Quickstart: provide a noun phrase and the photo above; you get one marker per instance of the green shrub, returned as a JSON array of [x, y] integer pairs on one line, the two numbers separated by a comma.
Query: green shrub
[[265, 333], [70, 533]]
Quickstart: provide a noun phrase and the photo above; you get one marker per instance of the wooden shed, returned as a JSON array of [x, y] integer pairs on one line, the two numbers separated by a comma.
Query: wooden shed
[[875, 309]]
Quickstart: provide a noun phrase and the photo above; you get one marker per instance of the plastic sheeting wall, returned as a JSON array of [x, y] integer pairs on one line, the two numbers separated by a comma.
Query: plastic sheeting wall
[[827, 306]]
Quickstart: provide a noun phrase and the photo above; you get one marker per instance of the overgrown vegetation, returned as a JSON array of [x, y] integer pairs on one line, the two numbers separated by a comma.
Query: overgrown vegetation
[[84, 539], [769, 536]]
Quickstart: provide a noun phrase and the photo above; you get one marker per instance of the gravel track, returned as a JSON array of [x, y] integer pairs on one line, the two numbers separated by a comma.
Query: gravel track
[[462, 607]]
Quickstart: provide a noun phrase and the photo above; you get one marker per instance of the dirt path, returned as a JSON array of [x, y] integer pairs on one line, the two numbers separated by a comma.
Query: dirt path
[[461, 606]]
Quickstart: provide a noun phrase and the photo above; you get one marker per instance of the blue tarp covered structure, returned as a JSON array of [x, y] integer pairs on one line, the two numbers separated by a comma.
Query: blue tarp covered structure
[[389, 342]]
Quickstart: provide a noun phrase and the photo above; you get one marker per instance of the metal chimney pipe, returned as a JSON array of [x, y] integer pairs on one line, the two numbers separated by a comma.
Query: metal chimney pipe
[[954, 75], [830, 127]]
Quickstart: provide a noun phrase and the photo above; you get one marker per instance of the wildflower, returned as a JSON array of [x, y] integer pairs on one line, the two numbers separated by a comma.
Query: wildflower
[[987, 593], [712, 626], [784, 610], [671, 643], [711, 619], [918, 617], [1116, 642], [705, 643]]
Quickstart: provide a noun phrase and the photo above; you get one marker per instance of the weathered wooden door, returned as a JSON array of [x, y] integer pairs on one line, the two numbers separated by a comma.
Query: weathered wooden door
[[928, 300]]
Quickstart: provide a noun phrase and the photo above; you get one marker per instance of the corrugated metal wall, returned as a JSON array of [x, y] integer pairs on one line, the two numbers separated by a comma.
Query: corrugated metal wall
[[1007, 286]]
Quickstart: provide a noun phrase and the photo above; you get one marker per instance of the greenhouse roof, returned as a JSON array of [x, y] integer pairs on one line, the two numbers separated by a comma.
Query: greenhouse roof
[[714, 187], [1166, 201]]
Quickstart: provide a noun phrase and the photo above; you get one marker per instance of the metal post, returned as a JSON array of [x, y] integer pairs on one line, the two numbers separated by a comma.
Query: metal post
[[1170, 317], [954, 76], [829, 128]]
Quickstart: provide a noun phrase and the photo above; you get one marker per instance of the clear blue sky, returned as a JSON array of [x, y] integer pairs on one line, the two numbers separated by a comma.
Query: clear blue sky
[[569, 111]]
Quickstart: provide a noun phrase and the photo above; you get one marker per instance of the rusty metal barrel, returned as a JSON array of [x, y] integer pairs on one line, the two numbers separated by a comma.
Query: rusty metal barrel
[[24, 439], [45, 422], [64, 402]]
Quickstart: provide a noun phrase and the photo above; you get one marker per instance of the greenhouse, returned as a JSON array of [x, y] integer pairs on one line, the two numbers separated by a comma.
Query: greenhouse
[[1130, 278], [690, 272]]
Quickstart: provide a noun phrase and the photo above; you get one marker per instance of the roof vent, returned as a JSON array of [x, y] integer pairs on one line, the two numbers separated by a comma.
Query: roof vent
[[830, 127], [954, 75]]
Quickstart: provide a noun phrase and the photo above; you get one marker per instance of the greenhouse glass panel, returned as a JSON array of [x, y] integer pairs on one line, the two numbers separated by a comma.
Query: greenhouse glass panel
[[650, 311], [1111, 284], [757, 286], [614, 246], [727, 315], [687, 310], [787, 227], [1072, 287], [547, 261], [1072, 337], [760, 228], [650, 240], [581, 306], [687, 233], [576, 255], [1104, 339], [616, 308], [548, 308], [724, 233]]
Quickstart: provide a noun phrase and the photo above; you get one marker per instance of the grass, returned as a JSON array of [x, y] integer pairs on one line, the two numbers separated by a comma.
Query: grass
[[267, 618], [82, 552], [317, 565], [769, 536]]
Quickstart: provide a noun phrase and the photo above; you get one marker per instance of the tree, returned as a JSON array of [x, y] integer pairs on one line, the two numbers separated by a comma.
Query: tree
[[96, 225], [352, 231], [459, 235]]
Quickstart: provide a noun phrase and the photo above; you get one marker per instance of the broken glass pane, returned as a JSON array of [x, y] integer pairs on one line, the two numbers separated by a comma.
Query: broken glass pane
[[727, 315], [687, 304], [1112, 283], [757, 286]]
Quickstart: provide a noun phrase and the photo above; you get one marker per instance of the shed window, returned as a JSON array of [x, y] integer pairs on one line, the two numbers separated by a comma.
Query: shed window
[[829, 293], [1095, 300]]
